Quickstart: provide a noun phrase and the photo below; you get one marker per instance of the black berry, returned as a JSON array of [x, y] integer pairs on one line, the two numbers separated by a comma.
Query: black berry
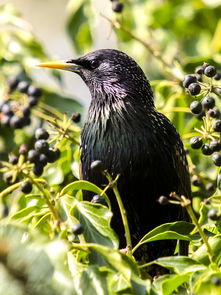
[[2, 103], [13, 159], [33, 156], [215, 145], [196, 107], [213, 214], [23, 149], [98, 199], [208, 102], [210, 187], [117, 6], [5, 210], [199, 78], [32, 101], [76, 117], [53, 155], [12, 83], [43, 159], [7, 110], [26, 112], [200, 115], [195, 181], [26, 187], [196, 142], [205, 64], [41, 133], [41, 145], [216, 281], [210, 71], [194, 88], [23, 86], [97, 166], [38, 169], [217, 126], [199, 70], [206, 149], [215, 113], [7, 177], [34, 91], [16, 122], [188, 79], [5, 121], [217, 159], [217, 76], [77, 229], [162, 200]]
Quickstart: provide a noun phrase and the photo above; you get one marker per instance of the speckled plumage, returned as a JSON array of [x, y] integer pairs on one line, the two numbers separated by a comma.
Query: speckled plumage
[[124, 131]]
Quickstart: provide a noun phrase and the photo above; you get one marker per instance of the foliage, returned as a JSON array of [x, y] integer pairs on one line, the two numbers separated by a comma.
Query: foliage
[[39, 250]]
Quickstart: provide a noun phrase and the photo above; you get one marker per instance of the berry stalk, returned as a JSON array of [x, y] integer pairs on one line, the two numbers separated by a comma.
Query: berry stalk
[[123, 212]]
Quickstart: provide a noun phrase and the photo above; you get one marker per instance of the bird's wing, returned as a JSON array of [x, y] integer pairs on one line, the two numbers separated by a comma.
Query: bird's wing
[[178, 155], [181, 166]]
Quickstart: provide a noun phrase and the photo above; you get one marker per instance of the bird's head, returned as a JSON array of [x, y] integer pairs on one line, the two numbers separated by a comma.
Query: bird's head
[[109, 71]]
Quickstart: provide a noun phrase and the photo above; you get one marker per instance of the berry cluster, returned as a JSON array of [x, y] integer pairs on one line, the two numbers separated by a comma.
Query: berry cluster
[[16, 113], [39, 156], [205, 108], [37, 160], [195, 83], [209, 140], [117, 6], [42, 152]]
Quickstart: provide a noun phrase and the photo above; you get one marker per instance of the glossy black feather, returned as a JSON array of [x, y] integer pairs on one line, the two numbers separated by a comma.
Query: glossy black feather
[[124, 131]]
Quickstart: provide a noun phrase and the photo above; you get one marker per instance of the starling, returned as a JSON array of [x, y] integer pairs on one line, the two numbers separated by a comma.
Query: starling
[[124, 131]]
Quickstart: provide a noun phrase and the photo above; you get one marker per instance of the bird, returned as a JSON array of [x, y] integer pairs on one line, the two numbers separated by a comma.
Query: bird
[[132, 139]]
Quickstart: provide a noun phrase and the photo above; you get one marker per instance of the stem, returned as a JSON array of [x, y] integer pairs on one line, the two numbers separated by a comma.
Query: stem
[[122, 211], [45, 195], [9, 189], [201, 232]]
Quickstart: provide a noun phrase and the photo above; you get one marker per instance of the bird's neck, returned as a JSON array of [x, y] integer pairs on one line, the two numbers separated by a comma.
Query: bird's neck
[[117, 110]]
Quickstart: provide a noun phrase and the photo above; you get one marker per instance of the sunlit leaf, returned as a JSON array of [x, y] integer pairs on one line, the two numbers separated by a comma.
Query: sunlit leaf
[[179, 264], [167, 284], [175, 230], [201, 254]]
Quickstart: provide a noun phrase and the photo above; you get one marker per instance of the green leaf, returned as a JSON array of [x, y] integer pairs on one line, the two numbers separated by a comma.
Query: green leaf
[[78, 25], [175, 230], [54, 174], [95, 219], [167, 284], [201, 254], [93, 280], [84, 185], [179, 264], [124, 265], [43, 219], [25, 212], [205, 283]]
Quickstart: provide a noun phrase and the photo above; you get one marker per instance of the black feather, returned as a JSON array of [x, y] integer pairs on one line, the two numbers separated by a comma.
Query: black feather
[[124, 131]]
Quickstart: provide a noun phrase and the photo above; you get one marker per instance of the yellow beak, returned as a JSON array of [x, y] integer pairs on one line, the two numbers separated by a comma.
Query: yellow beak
[[61, 65]]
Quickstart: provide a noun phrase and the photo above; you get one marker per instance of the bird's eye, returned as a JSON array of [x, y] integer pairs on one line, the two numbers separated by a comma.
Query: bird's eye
[[94, 64]]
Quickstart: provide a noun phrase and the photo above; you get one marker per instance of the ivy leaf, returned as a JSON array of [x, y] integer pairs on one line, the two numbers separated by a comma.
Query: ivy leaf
[[167, 284], [95, 219], [179, 264], [168, 231]]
